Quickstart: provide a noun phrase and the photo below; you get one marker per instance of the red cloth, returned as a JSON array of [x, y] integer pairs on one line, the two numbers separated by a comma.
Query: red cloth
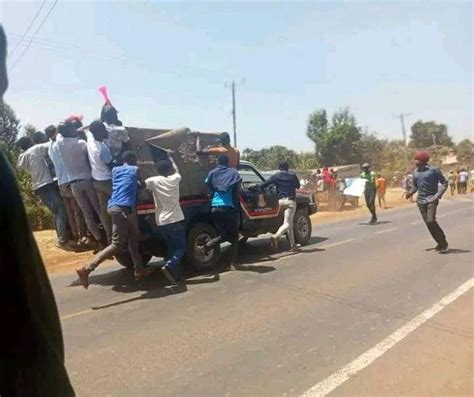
[[421, 155]]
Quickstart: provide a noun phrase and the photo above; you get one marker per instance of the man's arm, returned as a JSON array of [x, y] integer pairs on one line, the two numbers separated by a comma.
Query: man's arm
[[413, 189], [444, 184], [268, 182], [22, 162], [106, 156]]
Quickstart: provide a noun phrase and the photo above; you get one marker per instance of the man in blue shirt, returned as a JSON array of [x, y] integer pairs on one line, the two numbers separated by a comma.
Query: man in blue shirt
[[286, 183], [124, 220], [430, 184], [224, 184]]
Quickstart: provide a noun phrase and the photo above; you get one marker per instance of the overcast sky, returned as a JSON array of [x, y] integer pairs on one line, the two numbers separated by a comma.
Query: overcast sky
[[166, 64]]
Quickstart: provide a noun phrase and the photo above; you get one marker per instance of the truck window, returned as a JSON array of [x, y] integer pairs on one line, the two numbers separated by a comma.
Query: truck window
[[249, 176]]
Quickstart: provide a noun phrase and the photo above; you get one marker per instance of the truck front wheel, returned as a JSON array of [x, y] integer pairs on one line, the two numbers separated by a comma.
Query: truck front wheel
[[302, 226], [198, 236]]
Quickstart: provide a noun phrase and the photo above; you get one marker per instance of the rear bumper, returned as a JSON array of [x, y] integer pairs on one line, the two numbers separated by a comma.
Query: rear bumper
[[312, 208]]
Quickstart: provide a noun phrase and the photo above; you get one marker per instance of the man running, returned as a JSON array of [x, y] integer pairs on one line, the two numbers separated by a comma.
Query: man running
[[369, 190], [224, 184], [169, 216], [124, 220], [425, 182], [286, 183]]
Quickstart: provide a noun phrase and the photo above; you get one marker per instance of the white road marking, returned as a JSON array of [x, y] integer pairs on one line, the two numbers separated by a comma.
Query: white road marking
[[337, 243], [415, 223], [77, 314], [453, 212], [335, 380], [387, 230]]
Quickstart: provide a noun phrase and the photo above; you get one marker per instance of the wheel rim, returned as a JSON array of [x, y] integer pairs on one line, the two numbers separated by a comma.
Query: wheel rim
[[201, 240], [302, 227]]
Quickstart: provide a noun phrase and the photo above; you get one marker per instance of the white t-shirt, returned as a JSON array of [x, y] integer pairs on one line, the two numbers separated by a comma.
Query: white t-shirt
[[117, 135], [165, 191], [99, 157], [463, 176]]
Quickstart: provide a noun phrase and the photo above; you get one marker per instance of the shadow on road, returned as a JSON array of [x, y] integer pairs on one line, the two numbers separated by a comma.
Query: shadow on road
[[375, 224]]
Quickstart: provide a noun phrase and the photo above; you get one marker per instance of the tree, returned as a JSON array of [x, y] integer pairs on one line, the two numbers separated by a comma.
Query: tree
[[429, 133], [335, 142], [9, 127], [268, 158], [465, 152], [29, 130], [370, 149]]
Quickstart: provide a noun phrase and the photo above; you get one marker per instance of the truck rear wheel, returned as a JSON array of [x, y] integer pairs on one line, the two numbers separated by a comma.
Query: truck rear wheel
[[198, 235], [126, 261], [302, 226]]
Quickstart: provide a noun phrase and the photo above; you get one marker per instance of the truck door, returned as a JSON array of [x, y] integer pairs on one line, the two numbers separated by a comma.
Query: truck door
[[256, 204]]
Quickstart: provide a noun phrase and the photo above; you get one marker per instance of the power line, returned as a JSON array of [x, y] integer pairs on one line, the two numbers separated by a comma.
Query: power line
[[402, 116], [34, 35], [28, 28]]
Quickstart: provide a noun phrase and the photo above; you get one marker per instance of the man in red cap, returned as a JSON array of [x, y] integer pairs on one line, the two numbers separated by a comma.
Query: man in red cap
[[430, 184]]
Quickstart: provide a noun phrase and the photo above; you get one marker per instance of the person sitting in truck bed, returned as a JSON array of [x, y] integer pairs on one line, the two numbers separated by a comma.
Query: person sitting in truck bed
[[169, 216], [224, 148]]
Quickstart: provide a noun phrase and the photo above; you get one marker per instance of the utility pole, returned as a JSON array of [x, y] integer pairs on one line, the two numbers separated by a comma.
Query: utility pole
[[234, 120], [402, 116]]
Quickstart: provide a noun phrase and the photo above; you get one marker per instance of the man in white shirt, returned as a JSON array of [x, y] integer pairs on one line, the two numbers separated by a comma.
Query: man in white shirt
[[169, 216], [34, 160], [100, 160], [462, 183]]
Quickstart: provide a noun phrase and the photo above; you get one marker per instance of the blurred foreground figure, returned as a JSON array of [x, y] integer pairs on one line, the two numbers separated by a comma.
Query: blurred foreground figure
[[31, 347]]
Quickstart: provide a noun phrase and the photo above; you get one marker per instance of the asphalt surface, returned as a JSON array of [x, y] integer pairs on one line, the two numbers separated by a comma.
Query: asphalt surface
[[285, 323]]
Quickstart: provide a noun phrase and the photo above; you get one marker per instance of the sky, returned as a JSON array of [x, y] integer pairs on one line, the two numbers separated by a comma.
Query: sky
[[166, 64]]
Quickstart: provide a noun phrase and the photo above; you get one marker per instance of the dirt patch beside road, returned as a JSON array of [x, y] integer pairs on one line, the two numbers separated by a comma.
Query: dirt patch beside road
[[57, 260]]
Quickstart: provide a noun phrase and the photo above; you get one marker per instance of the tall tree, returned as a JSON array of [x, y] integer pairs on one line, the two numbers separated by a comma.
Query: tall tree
[[465, 152], [335, 142], [268, 158], [9, 126], [29, 130], [425, 134]]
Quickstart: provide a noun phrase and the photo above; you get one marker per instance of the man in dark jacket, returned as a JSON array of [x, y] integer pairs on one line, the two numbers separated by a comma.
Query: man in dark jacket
[[224, 184], [430, 184], [286, 183]]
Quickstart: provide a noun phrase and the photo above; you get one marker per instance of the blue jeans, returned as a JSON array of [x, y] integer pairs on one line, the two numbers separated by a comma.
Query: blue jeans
[[174, 235], [50, 196]]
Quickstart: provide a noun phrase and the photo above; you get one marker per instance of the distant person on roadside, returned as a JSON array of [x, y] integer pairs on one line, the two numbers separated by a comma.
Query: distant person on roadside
[[169, 216], [452, 182], [76, 220], [34, 160], [286, 183], [73, 152], [370, 190], [122, 209], [463, 179], [101, 160], [31, 347], [224, 148], [430, 184], [381, 186], [472, 181], [224, 184]]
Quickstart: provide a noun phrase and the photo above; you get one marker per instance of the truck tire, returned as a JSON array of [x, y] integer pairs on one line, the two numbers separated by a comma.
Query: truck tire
[[302, 226], [126, 261], [199, 234]]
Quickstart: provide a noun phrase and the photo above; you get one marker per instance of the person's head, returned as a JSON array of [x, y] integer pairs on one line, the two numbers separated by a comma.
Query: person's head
[[129, 158], [318, 171], [164, 167], [223, 160], [67, 129], [451, 172], [422, 158], [224, 139], [51, 132], [24, 143], [283, 166], [365, 167], [325, 169], [109, 115], [379, 175], [98, 131], [39, 137]]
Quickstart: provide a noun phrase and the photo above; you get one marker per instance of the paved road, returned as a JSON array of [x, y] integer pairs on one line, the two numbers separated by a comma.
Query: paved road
[[341, 318]]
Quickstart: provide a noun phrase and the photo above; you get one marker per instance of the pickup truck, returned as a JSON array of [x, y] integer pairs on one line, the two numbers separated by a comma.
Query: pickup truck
[[259, 212]]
